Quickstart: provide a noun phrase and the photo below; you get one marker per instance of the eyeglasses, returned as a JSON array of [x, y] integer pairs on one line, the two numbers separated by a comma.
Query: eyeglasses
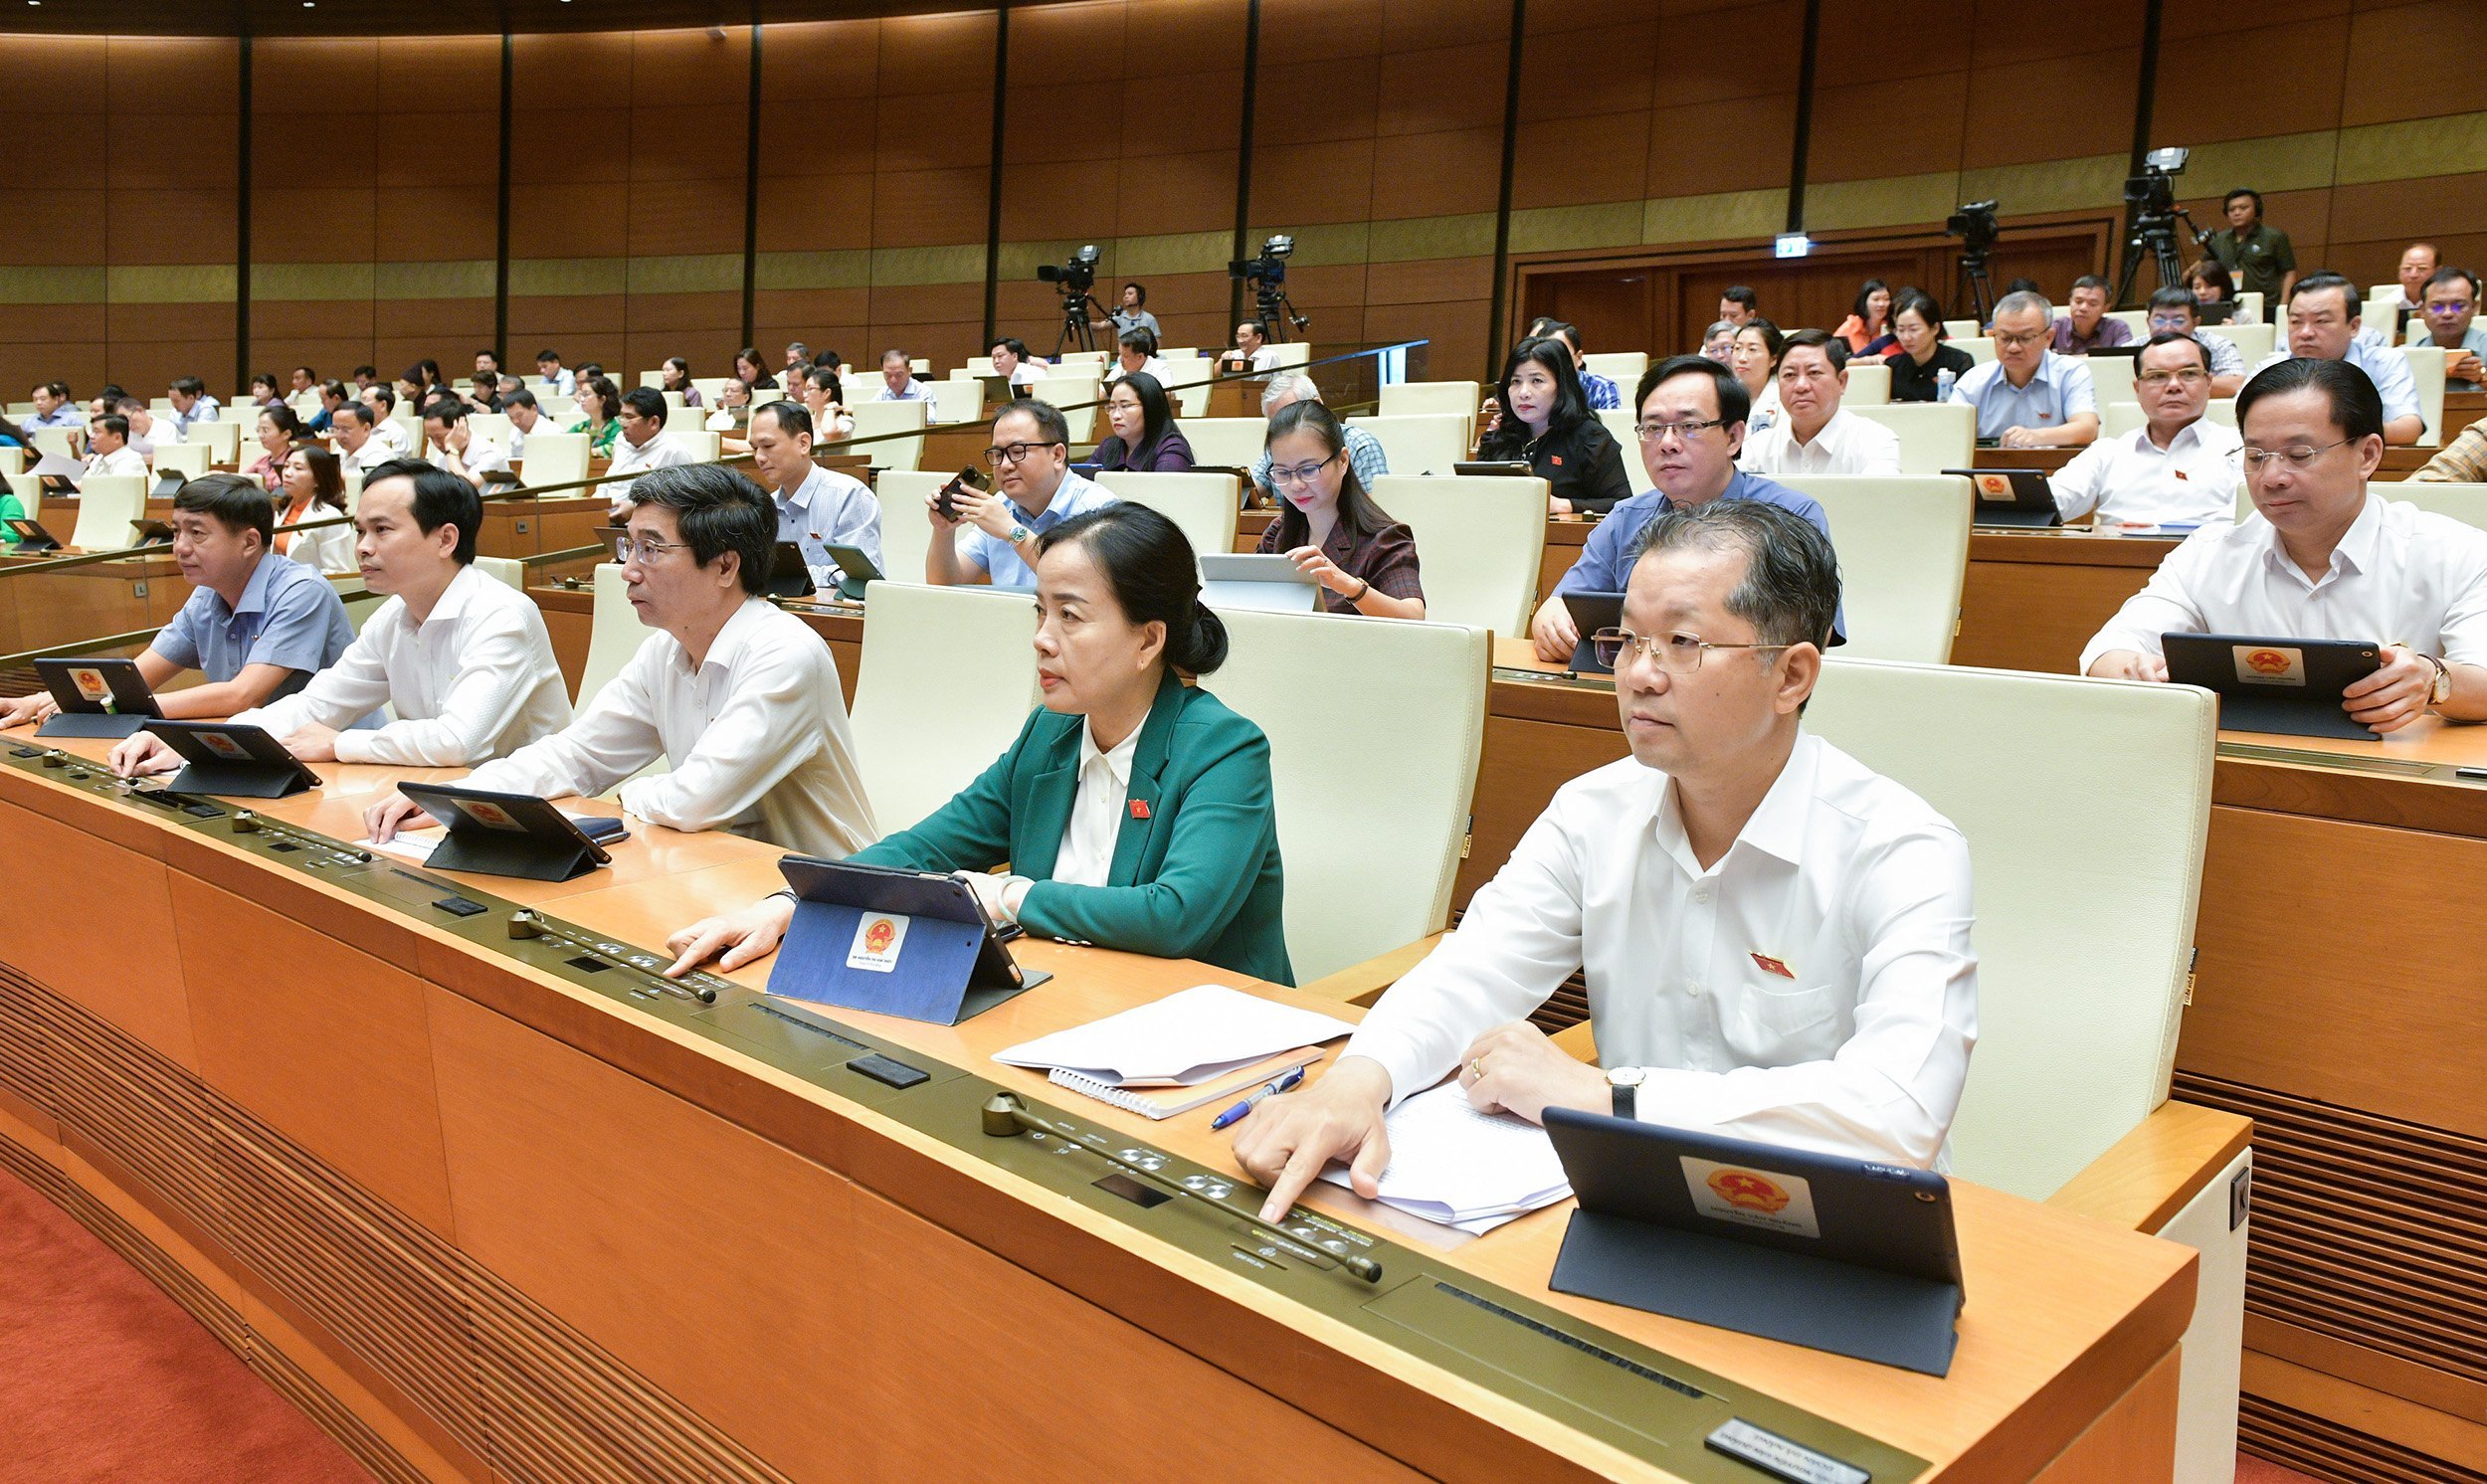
[[2178, 323], [2187, 375], [626, 550], [2003, 342], [1677, 654], [999, 455], [2255, 458], [1651, 432], [2447, 310], [1303, 475]]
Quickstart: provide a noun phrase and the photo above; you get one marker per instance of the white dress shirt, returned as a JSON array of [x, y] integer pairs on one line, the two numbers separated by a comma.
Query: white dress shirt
[[2129, 478], [829, 509], [475, 680], [1850, 882], [121, 461], [518, 435], [756, 735], [2401, 575], [482, 457], [374, 453], [1847, 444], [660, 452], [1152, 365], [562, 383], [2060, 390], [393, 433], [162, 428], [1087, 857], [2384, 365]]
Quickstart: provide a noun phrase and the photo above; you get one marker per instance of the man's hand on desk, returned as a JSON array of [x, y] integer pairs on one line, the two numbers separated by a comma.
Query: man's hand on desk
[[2129, 664], [383, 817], [1556, 635], [1514, 1068], [312, 743], [28, 709], [141, 753], [733, 939], [2395, 695], [1291, 1137]]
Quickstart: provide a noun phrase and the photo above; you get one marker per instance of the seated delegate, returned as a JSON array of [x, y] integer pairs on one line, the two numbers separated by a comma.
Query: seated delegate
[[461, 659], [1145, 438], [2179, 468], [1035, 490], [1691, 413], [1776, 939], [1814, 434], [1328, 524], [2323, 557], [2029, 397], [1547, 423], [1284, 390], [1134, 812], [735, 694], [257, 625], [817, 507], [1918, 365]]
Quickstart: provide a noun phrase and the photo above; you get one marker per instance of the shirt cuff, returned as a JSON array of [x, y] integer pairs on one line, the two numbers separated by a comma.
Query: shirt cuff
[[353, 745], [1402, 1062]]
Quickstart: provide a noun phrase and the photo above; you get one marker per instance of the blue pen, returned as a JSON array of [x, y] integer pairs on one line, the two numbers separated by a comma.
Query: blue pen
[[1288, 1083]]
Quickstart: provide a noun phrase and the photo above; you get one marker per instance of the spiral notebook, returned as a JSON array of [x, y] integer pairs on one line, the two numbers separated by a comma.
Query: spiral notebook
[[1184, 1099]]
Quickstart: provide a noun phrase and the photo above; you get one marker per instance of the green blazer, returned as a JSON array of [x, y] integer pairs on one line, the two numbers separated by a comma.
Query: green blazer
[[1198, 878]]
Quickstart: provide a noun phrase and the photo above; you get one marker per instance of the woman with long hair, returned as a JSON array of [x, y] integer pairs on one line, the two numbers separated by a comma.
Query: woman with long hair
[[312, 487], [1546, 422], [601, 400], [1922, 357], [677, 379], [1145, 438], [1328, 524], [1869, 328], [278, 431], [1754, 360]]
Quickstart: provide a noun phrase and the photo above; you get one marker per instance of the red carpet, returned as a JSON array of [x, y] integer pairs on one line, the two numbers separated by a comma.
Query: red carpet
[[110, 1381]]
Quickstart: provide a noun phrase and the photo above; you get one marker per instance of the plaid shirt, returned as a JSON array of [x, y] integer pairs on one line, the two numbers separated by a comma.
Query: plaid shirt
[[2463, 460], [1387, 559]]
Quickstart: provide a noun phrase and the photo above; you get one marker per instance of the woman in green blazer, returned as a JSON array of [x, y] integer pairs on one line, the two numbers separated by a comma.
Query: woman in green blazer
[[1133, 812]]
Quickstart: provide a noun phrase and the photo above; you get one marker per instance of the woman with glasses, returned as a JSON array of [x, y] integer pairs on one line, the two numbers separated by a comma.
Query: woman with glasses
[[600, 400], [1145, 438], [1917, 366], [1754, 360], [1546, 423], [1134, 812], [314, 489], [1328, 524]]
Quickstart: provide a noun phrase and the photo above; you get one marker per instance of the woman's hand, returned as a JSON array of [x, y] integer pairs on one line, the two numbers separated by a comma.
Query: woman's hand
[[733, 939], [1310, 561]]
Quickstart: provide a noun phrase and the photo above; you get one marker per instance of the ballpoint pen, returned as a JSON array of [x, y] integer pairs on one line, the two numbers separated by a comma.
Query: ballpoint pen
[[1283, 1084]]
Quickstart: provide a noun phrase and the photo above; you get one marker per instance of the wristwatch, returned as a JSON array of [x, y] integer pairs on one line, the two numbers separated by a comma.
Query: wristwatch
[[1625, 1082], [2441, 691], [1019, 535]]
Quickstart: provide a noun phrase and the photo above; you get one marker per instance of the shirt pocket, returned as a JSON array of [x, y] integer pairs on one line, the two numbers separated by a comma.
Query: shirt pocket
[[1777, 1028]]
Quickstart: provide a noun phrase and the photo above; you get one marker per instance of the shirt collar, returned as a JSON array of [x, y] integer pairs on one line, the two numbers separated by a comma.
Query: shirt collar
[[800, 496], [1067, 501], [738, 632], [456, 599], [255, 591], [1119, 760], [1777, 826], [2356, 548]]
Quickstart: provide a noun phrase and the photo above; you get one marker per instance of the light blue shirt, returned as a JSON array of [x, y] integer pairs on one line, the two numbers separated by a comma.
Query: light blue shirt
[[65, 414], [563, 383], [202, 410], [1601, 391], [2387, 368], [1075, 495], [289, 616], [914, 391], [829, 509], [1605, 561], [1363, 456], [2058, 391]]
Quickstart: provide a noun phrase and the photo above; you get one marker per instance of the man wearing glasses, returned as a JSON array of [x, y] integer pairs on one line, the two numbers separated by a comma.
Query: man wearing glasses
[[1775, 938], [2029, 397], [2322, 557], [1036, 489], [2179, 468], [2174, 308], [2451, 305], [1691, 420], [2324, 324], [733, 693]]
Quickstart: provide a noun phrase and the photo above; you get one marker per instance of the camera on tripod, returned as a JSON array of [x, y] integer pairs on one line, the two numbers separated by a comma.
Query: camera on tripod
[[2151, 206], [1975, 225], [1077, 274], [2152, 192], [1267, 275]]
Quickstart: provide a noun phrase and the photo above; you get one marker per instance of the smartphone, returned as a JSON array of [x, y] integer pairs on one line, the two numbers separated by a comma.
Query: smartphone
[[947, 500]]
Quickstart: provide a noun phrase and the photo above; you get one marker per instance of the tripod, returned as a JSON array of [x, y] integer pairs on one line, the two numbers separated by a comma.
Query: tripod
[[1973, 269], [1077, 325], [2154, 234], [1275, 313]]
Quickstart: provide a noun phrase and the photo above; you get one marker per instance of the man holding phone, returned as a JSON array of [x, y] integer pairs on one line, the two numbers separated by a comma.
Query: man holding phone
[[1030, 460]]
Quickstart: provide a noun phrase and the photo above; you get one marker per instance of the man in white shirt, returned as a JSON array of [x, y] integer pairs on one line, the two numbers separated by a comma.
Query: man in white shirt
[[2323, 557], [448, 427], [1011, 362], [1135, 351], [147, 430], [2029, 397], [2179, 468], [524, 417], [733, 691], [817, 509], [381, 398], [642, 446], [2418, 263], [108, 450], [552, 377], [1252, 350], [1819, 436], [461, 659], [1776, 940], [1034, 492], [2174, 309], [359, 446], [2323, 323], [897, 379]]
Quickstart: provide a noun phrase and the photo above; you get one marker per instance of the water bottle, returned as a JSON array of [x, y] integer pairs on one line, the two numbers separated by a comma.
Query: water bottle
[[1943, 380]]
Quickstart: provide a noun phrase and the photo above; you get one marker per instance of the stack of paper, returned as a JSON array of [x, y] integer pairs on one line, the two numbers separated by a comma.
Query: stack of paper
[[1475, 1170], [1181, 1040]]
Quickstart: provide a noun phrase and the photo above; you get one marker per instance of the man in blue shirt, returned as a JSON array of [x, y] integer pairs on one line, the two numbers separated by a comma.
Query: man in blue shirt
[[54, 408], [191, 404], [1034, 492], [258, 625], [1691, 426], [2324, 324], [1602, 392], [2029, 397]]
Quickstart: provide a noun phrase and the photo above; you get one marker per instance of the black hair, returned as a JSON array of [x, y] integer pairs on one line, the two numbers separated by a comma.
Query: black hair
[[236, 501], [1790, 590], [1773, 339], [265, 379], [677, 363], [334, 389], [2314, 283], [1571, 403], [2175, 337], [2176, 297], [2357, 408], [1052, 426], [1140, 338], [441, 499], [493, 356], [1149, 563], [2091, 280], [647, 402], [1357, 513], [386, 394], [189, 386], [760, 376], [425, 373], [2453, 275], [328, 475], [1739, 295], [308, 373], [115, 424], [608, 398], [793, 418], [2023, 286], [128, 404], [1156, 415], [2253, 195], [362, 414], [449, 410], [519, 398], [1833, 349], [1867, 291], [1011, 343], [365, 373], [719, 511], [58, 389], [1735, 403], [1140, 290], [283, 416], [1921, 301], [547, 354]]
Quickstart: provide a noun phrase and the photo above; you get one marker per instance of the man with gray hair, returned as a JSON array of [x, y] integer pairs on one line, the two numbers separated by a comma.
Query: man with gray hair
[[1776, 939], [2030, 397], [1364, 450]]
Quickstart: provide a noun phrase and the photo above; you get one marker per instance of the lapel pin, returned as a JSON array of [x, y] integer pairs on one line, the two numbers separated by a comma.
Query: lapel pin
[[1139, 808]]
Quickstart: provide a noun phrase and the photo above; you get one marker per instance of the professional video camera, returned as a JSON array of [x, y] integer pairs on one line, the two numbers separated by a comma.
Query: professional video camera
[[1077, 274], [2150, 202], [1075, 278], [1267, 275], [1975, 225]]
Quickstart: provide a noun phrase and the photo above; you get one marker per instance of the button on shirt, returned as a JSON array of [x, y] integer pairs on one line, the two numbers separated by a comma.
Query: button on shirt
[[1852, 884], [289, 616], [1605, 561], [2401, 575], [2387, 368], [1002, 561], [660, 452], [374, 453], [1847, 444], [2058, 391], [756, 735], [1096, 812], [475, 680], [829, 509], [2129, 478]]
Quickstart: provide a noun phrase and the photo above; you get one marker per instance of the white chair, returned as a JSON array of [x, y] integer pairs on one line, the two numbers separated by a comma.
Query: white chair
[[947, 679], [702, 445], [554, 458], [709, 388], [2111, 377], [221, 438], [2249, 310], [29, 491], [1323, 691], [1979, 347], [1903, 548], [1419, 398], [2427, 366], [410, 423], [1292, 353], [1226, 443], [1202, 505], [978, 365], [491, 427], [1082, 358], [186, 459], [2136, 321], [673, 402], [55, 442], [106, 504], [654, 378], [1869, 384], [873, 419], [961, 399], [1188, 383], [506, 570], [1623, 367], [12, 461], [919, 366], [1934, 435], [2253, 341], [353, 491], [1419, 443], [1962, 329], [2377, 294], [2466, 504], [562, 411], [1074, 393], [1620, 421], [1479, 543], [906, 532], [680, 419]]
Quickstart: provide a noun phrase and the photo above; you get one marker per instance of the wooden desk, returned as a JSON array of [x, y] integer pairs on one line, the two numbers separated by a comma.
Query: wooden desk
[[504, 1225], [43, 610], [2032, 598], [531, 525], [2461, 409]]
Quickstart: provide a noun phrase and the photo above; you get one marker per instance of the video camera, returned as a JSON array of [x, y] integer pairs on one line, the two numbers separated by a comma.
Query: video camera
[[1975, 225], [1270, 269], [2152, 192], [1077, 274]]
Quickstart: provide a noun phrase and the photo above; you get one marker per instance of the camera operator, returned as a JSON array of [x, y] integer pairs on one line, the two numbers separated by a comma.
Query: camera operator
[[1130, 312], [2262, 259]]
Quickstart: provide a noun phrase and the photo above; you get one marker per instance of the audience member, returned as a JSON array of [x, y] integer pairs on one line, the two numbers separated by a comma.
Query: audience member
[[191, 403], [642, 446], [733, 407], [305, 380], [817, 507], [147, 431], [1135, 350], [797, 354], [1718, 342], [2323, 325], [2451, 306], [456, 446], [1120, 746], [2462, 460], [382, 401], [1816, 434], [1598, 391], [1328, 524], [2086, 326], [108, 452], [1036, 489], [830, 418], [54, 407], [278, 431], [264, 391], [2258, 258], [2211, 283], [358, 436], [2408, 297], [1754, 361], [1011, 362], [1867, 329], [332, 395], [1252, 350], [2030, 397], [2179, 468], [755, 375], [1738, 305], [525, 416], [1549, 426], [2323, 557], [1919, 364], [552, 377], [485, 396], [314, 489], [601, 400], [1130, 312], [2173, 312], [1287, 388], [364, 378], [677, 374], [1145, 437], [897, 379]]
